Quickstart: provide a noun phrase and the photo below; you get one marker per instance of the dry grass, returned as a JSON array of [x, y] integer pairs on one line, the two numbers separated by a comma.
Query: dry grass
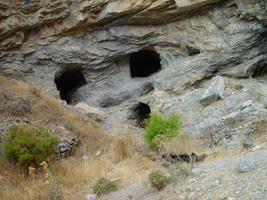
[[259, 135], [122, 156], [118, 158], [183, 145]]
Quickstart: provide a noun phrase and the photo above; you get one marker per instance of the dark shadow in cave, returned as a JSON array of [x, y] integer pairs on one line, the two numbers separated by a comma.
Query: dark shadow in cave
[[68, 82], [144, 63], [192, 51], [142, 112], [260, 70]]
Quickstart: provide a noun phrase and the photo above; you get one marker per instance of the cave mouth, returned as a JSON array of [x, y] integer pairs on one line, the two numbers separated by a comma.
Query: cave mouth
[[142, 112], [261, 70], [192, 51], [68, 82], [144, 63]]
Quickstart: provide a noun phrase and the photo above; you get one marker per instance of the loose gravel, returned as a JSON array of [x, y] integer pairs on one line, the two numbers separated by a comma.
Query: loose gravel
[[219, 179]]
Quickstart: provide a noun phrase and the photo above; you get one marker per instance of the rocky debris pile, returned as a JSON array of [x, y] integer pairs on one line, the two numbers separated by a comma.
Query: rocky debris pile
[[67, 146]]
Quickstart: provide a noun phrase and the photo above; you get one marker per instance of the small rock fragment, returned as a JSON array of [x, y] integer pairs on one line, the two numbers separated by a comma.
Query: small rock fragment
[[246, 165], [71, 158], [210, 99], [182, 197], [256, 148], [62, 147], [98, 153], [91, 196], [84, 157], [248, 143]]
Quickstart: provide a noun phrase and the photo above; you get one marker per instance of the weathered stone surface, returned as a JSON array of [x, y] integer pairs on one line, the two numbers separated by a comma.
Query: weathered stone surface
[[205, 47], [246, 165], [90, 111], [235, 141], [62, 147], [248, 143], [209, 99], [185, 5], [12, 42], [91, 196]]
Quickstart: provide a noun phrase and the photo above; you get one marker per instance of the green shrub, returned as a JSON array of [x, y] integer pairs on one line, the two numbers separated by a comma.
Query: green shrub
[[29, 146], [158, 180], [104, 186], [159, 128]]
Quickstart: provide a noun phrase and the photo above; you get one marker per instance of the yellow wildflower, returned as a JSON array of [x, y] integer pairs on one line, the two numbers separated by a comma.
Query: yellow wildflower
[[46, 182], [44, 164], [31, 170]]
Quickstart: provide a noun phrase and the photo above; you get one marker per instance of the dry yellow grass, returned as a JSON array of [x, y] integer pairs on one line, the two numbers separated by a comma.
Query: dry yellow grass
[[122, 156], [184, 145], [118, 158]]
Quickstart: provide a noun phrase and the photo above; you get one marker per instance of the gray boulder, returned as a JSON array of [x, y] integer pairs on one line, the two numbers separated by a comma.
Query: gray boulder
[[246, 165]]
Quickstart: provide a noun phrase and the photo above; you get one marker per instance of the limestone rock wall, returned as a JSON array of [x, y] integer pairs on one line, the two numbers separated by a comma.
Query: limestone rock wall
[[42, 40]]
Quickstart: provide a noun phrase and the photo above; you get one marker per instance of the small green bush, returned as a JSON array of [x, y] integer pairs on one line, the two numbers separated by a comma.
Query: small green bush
[[29, 146], [158, 180], [104, 186], [159, 128]]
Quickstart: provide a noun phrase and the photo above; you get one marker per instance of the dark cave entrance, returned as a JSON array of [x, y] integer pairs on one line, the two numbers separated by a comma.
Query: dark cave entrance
[[192, 51], [68, 82], [144, 63], [142, 112], [261, 70]]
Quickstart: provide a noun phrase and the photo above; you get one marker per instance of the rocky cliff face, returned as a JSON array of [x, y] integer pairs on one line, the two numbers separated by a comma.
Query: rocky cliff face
[[205, 59]]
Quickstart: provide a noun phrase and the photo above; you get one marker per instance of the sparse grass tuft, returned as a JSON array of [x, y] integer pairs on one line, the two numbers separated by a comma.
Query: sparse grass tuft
[[178, 171], [104, 186], [158, 180], [14, 104], [35, 91]]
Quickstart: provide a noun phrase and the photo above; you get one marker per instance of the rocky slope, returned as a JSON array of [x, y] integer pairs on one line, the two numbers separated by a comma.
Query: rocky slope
[[239, 177], [204, 59]]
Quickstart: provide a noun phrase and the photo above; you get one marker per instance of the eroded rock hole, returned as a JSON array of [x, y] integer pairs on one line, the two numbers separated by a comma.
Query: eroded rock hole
[[142, 112], [144, 63], [68, 82], [192, 51], [261, 70]]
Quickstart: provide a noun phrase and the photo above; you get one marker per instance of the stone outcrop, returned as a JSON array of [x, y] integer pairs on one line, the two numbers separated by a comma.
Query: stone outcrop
[[182, 45], [67, 146], [92, 112]]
